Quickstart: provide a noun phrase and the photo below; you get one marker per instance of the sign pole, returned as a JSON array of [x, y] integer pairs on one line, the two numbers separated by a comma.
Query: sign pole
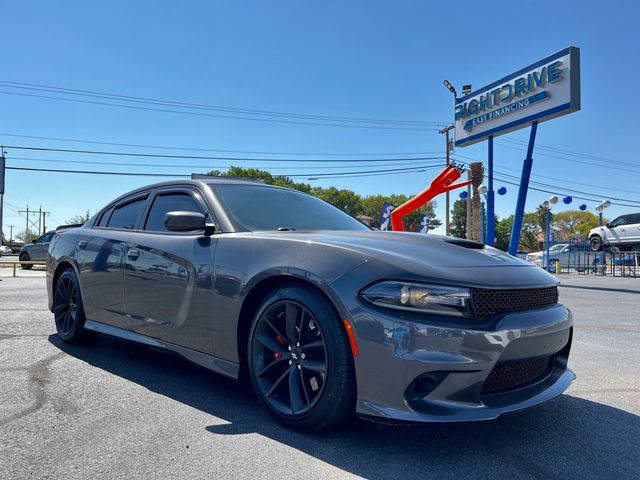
[[490, 232], [522, 192]]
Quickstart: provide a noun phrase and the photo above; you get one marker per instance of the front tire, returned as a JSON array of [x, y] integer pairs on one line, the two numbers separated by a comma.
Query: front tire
[[25, 258], [300, 361], [68, 310], [595, 243]]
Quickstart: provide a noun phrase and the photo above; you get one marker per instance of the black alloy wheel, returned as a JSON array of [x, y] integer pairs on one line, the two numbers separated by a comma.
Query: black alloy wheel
[[68, 311], [25, 258], [299, 359]]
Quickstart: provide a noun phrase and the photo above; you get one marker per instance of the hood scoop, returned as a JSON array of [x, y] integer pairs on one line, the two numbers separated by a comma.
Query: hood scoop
[[470, 244]]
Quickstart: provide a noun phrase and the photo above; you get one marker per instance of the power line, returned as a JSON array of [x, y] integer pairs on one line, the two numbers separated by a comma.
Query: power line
[[164, 147], [155, 101], [564, 151], [201, 157], [200, 114], [583, 162], [537, 175], [316, 175], [132, 164], [500, 176]]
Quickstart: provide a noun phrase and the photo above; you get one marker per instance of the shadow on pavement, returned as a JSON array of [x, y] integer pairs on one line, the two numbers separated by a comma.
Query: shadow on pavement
[[567, 437]]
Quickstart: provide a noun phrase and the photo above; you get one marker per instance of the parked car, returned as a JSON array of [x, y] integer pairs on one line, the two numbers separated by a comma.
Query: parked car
[[622, 232], [327, 317], [36, 251], [571, 255], [5, 250]]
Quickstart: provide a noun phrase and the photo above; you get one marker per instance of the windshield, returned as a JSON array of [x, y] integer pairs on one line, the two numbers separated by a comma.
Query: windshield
[[259, 208], [558, 247]]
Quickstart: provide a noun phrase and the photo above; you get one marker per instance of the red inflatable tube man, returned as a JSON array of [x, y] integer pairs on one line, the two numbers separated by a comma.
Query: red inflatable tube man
[[441, 184]]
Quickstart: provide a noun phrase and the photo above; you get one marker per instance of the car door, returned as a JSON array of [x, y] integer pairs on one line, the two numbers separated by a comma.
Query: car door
[[632, 229], [100, 254], [41, 247], [615, 230], [169, 275]]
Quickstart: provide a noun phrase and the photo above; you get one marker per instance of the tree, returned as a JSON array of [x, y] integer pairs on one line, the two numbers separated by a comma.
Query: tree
[[530, 229], [257, 174], [343, 199], [26, 236], [541, 217], [573, 223], [459, 219], [79, 219]]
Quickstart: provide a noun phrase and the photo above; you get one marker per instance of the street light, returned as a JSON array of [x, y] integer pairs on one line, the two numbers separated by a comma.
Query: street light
[[450, 87], [600, 207], [547, 204]]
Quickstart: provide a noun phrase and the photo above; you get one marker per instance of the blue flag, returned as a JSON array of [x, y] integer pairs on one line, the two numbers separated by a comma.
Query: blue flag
[[385, 213], [424, 223]]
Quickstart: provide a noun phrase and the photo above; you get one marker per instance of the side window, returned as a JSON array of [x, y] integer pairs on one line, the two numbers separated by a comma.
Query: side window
[[621, 220], [45, 238], [104, 218], [634, 218], [127, 215], [178, 201]]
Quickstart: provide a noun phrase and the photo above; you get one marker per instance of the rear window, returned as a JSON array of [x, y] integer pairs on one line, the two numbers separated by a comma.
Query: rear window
[[260, 208], [127, 216]]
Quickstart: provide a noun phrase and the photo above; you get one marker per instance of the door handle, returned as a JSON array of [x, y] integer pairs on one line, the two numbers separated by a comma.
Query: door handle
[[133, 254], [82, 244]]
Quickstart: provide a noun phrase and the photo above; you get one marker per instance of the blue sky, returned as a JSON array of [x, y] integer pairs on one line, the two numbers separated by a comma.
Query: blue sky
[[364, 59]]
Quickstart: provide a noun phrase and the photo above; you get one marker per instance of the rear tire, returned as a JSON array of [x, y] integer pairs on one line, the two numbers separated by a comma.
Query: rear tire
[[300, 361], [68, 310], [25, 258], [595, 243]]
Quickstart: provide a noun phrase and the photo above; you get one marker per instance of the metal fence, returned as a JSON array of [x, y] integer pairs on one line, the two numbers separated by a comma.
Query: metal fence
[[577, 257]]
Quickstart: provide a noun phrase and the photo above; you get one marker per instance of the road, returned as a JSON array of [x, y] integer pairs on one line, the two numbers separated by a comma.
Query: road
[[119, 411]]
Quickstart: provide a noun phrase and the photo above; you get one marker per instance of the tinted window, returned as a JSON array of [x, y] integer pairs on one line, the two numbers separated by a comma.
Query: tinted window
[[126, 216], [169, 203], [45, 238], [621, 220], [104, 218], [261, 208], [634, 218]]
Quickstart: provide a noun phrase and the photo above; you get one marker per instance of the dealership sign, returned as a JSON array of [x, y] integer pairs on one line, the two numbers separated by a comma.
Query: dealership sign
[[542, 91]]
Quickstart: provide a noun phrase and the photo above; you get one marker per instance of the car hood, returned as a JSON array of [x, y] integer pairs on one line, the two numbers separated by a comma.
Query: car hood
[[436, 250]]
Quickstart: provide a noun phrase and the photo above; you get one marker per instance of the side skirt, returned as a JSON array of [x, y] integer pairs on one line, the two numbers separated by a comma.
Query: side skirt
[[215, 364]]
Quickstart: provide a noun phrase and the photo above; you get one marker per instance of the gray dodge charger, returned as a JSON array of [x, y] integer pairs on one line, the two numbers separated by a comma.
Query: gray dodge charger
[[326, 317]]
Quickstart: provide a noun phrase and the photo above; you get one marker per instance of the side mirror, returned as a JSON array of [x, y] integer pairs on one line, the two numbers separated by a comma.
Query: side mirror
[[608, 225], [180, 221], [33, 241]]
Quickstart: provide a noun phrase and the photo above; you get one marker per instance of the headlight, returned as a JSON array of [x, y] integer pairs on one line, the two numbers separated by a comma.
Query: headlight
[[417, 297]]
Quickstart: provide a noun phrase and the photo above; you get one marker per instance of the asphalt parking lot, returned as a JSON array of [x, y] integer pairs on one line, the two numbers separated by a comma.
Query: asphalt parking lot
[[117, 410]]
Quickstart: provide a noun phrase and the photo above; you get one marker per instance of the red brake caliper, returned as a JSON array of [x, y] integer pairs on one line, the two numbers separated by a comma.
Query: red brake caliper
[[279, 341]]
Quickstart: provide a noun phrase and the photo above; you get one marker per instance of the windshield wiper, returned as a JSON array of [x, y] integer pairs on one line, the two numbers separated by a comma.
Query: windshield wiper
[[286, 229]]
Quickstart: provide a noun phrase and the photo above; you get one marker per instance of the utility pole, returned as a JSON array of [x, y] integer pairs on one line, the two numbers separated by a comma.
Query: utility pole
[[2, 170], [447, 225], [35, 224], [40, 221], [44, 222], [11, 227]]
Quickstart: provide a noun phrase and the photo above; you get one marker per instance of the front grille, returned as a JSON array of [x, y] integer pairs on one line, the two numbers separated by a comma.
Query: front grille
[[489, 302], [511, 375]]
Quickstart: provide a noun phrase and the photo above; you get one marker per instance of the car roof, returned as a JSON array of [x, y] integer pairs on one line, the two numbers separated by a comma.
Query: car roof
[[201, 181]]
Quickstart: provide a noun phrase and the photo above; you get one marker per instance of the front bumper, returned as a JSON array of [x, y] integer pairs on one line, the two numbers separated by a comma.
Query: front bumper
[[417, 369]]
